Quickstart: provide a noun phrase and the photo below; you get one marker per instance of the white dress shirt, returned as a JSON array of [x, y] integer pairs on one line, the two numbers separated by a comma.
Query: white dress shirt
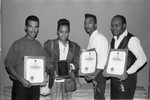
[[63, 50], [135, 47], [100, 43]]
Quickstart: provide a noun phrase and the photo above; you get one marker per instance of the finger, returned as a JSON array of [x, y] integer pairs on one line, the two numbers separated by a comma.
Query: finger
[[29, 85]]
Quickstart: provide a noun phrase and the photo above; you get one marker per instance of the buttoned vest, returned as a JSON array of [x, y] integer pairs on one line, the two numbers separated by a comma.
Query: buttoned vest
[[124, 45]]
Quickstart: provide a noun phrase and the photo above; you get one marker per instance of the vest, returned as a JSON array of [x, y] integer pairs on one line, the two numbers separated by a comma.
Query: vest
[[124, 45]]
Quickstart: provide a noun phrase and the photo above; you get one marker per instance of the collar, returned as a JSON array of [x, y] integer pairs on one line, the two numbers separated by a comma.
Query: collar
[[122, 35], [63, 44], [26, 37], [95, 32]]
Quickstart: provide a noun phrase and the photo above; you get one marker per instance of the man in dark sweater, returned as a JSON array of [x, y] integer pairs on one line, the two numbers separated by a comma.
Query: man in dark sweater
[[136, 58], [14, 62]]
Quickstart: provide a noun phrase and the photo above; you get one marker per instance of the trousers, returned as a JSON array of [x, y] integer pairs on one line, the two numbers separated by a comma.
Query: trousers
[[21, 93], [129, 87], [99, 91]]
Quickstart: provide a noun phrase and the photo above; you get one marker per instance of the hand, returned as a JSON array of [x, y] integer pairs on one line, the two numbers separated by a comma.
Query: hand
[[71, 67], [95, 74], [26, 83], [89, 77], [126, 76], [55, 74]]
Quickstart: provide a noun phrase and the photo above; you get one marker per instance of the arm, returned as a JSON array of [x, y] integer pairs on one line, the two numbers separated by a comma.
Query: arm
[[11, 63], [75, 61], [101, 46], [49, 59], [136, 48]]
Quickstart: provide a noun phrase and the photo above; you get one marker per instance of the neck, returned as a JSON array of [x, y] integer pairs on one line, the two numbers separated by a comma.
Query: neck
[[90, 33], [30, 38], [64, 42]]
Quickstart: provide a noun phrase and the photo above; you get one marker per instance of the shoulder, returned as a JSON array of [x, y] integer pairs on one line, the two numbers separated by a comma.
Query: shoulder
[[134, 39], [18, 42], [100, 37], [74, 44], [48, 42]]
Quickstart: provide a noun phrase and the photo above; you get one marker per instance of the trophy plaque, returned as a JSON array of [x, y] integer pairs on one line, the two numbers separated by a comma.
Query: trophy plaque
[[116, 63], [34, 69], [88, 61], [63, 69]]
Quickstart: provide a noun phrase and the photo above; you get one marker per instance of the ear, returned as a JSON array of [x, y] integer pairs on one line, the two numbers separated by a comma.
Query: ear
[[96, 25], [124, 25]]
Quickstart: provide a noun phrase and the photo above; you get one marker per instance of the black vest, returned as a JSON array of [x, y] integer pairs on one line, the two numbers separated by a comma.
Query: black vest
[[124, 45]]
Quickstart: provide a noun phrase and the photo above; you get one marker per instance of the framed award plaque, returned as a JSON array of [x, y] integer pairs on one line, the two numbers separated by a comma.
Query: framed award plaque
[[116, 63], [34, 69], [63, 69], [88, 61]]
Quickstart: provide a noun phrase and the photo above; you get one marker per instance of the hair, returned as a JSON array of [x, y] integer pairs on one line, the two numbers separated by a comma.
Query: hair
[[31, 18], [91, 15], [121, 17], [63, 22]]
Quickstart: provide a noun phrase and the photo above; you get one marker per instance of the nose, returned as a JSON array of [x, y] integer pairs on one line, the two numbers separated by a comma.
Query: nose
[[86, 25], [34, 29]]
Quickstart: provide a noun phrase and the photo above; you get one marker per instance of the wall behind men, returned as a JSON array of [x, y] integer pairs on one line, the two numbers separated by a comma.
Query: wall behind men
[[14, 13]]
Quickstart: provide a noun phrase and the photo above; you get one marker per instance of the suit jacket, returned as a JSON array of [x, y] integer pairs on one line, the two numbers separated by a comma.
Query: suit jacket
[[51, 49]]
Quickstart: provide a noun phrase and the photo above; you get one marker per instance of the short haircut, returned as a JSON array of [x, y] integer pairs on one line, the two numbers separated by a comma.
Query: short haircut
[[121, 17], [91, 15], [31, 18], [63, 22]]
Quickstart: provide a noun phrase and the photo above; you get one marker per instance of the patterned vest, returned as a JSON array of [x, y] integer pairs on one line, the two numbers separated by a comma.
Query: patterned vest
[[124, 45]]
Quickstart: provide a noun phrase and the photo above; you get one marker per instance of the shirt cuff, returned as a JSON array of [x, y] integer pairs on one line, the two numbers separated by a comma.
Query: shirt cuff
[[72, 66]]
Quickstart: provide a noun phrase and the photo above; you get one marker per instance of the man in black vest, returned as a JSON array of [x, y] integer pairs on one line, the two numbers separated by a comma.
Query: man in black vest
[[136, 59]]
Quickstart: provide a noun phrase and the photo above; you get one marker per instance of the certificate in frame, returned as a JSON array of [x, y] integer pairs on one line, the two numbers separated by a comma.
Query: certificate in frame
[[116, 63], [34, 69], [88, 61], [63, 69]]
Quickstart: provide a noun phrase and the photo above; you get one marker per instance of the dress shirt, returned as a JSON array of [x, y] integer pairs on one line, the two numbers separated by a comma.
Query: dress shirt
[[63, 50], [135, 47], [99, 42]]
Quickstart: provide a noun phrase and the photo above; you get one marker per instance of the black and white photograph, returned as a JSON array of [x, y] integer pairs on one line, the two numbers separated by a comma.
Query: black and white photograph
[[58, 30]]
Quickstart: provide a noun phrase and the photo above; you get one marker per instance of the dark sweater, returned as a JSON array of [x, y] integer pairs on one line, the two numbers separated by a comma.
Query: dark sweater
[[19, 49]]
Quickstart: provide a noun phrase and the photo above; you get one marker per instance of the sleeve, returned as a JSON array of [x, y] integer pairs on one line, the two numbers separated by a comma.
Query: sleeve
[[101, 46], [49, 58], [136, 48], [76, 56], [11, 58]]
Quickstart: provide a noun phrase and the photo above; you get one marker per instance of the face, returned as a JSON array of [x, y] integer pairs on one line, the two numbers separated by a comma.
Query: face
[[32, 29], [63, 33], [117, 28], [89, 25]]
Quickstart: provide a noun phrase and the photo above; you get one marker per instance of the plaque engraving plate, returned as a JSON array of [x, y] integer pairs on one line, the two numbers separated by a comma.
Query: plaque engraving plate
[[63, 69]]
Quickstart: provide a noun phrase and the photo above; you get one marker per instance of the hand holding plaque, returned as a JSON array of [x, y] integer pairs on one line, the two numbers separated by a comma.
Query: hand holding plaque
[[63, 69], [116, 64]]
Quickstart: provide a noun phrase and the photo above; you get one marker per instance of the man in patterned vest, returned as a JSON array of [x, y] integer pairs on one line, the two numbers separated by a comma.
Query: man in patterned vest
[[122, 39]]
